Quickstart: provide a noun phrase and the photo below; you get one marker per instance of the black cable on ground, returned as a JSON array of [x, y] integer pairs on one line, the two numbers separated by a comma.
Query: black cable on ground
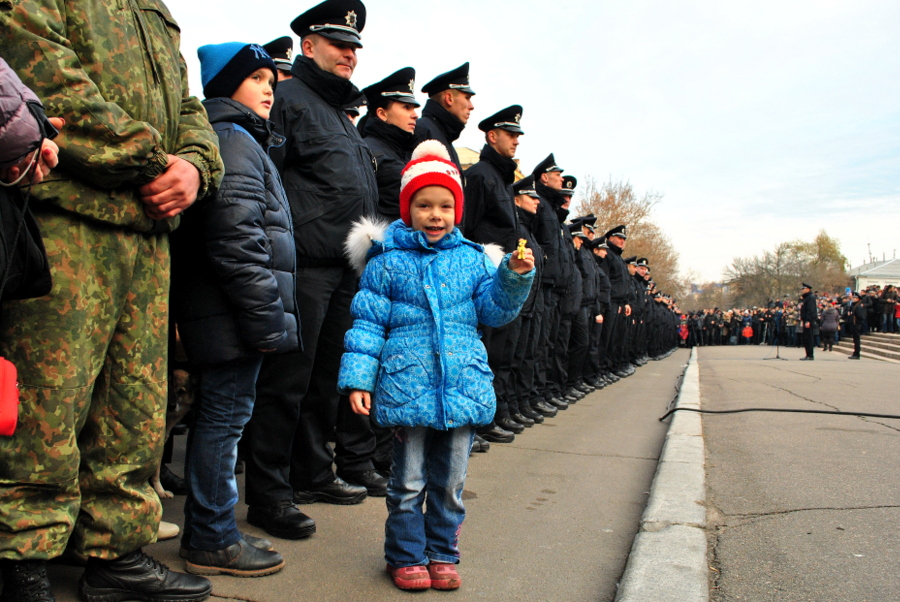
[[795, 411]]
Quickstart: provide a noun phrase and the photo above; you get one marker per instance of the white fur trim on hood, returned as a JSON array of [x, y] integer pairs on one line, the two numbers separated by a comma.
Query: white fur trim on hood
[[359, 241], [495, 253]]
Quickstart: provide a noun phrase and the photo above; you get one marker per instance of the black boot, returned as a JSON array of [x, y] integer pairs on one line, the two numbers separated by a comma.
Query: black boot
[[136, 576], [25, 581]]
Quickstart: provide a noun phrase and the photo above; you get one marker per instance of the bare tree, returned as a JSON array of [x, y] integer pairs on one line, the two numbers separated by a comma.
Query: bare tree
[[616, 202], [778, 273]]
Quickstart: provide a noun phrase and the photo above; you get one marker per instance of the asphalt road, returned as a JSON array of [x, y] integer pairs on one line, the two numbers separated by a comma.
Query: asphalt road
[[802, 507], [550, 517]]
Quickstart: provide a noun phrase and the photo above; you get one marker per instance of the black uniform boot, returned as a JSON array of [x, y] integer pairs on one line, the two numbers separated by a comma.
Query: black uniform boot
[[136, 576], [25, 581]]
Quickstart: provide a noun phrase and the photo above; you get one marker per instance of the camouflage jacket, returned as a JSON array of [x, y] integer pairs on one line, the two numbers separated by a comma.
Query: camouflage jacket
[[113, 70]]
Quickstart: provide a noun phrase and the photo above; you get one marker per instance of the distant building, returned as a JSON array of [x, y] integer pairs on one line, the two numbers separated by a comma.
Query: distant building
[[879, 273]]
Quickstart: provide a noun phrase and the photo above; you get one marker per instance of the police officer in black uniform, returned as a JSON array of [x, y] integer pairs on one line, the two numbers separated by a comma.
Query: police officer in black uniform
[[329, 177], [389, 131], [490, 218], [809, 315], [447, 110]]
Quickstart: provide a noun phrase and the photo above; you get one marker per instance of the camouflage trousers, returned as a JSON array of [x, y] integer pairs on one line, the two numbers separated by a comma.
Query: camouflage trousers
[[92, 362]]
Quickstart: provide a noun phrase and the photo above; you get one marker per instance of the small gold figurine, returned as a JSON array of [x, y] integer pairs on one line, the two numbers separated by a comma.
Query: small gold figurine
[[521, 249]]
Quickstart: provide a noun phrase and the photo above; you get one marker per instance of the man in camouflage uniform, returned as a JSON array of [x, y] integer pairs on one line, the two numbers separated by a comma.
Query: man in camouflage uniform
[[136, 150]]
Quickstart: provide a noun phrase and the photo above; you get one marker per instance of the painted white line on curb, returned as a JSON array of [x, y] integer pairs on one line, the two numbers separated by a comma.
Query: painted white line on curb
[[668, 556]]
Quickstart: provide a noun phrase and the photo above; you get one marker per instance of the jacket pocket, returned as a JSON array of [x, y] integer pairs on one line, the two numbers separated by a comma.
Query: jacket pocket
[[402, 379], [476, 381]]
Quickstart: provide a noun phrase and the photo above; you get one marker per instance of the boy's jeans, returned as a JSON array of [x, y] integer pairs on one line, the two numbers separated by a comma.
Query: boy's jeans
[[429, 469], [226, 396]]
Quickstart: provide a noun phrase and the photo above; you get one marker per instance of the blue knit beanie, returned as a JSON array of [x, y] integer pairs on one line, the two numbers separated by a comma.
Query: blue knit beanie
[[224, 67]]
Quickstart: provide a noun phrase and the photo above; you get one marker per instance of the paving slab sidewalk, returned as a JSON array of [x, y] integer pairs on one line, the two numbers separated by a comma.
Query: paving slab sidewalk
[[551, 516]]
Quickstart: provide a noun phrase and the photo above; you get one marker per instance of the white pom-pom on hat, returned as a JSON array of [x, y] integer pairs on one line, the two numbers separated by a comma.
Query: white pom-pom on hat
[[430, 147]]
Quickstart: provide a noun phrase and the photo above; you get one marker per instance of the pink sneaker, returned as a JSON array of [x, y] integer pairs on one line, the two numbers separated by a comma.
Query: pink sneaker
[[444, 575], [410, 577]]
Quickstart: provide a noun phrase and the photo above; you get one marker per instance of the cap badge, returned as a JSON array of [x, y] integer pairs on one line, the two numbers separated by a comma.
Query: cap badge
[[289, 53], [351, 19], [517, 117], [412, 85]]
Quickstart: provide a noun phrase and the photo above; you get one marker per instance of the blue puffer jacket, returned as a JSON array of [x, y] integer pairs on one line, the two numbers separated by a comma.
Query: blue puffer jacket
[[415, 340]]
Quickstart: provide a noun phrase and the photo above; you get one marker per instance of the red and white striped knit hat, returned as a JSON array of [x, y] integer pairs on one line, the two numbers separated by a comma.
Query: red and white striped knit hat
[[430, 166]]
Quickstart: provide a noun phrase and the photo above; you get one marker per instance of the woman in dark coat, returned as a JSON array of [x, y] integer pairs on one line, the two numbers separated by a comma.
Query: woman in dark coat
[[829, 324]]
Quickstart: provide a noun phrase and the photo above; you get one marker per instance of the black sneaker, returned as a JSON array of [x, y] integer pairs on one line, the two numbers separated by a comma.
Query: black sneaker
[[336, 492], [137, 576], [282, 519], [25, 581], [238, 560], [481, 445], [375, 483]]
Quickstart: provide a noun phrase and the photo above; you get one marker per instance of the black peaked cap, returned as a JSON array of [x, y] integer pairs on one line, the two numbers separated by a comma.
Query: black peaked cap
[[338, 20], [282, 52], [398, 86], [456, 79], [569, 184], [508, 119], [525, 186], [617, 231], [546, 166]]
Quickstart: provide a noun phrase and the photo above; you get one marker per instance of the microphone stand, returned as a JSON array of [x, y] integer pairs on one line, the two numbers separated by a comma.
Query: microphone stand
[[778, 333]]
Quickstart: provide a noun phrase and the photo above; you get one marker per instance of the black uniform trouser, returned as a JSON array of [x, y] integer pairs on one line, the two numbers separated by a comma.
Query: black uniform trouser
[[592, 364], [809, 340], [500, 358], [856, 340], [610, 318], [618, 340], [578, 346], [560, 363], [297, 406], [522, 375], [528, 385], [549, 328]]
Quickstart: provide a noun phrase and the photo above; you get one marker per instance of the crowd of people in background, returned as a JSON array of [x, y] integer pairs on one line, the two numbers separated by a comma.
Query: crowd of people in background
[[779, 322]]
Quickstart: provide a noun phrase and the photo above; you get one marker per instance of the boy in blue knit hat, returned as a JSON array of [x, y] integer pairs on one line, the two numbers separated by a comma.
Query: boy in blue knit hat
[[233, 282]]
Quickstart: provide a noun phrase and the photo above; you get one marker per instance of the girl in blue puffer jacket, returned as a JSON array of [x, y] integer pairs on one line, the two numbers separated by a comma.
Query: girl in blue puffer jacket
[[414, 354]]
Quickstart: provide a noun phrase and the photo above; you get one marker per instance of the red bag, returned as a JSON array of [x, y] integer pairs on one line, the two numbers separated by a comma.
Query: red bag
[[9, 397]]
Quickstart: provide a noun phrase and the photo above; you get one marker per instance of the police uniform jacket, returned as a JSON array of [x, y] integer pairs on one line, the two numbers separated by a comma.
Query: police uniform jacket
[[618, 276], [549, 233], [327, 169], [437, 123], [392, 148], [808, 311], [525, 222], [603, 285], [490, 215]]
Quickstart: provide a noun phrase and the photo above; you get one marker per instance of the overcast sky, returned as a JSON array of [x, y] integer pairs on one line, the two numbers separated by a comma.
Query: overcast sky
[[759, 122]]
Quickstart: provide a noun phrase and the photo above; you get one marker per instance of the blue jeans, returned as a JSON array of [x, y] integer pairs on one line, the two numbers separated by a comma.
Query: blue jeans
[[428, 469], [223, 407]]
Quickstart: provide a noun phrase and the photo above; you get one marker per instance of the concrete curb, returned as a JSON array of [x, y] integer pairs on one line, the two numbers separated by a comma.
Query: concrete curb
[[668, 556]]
